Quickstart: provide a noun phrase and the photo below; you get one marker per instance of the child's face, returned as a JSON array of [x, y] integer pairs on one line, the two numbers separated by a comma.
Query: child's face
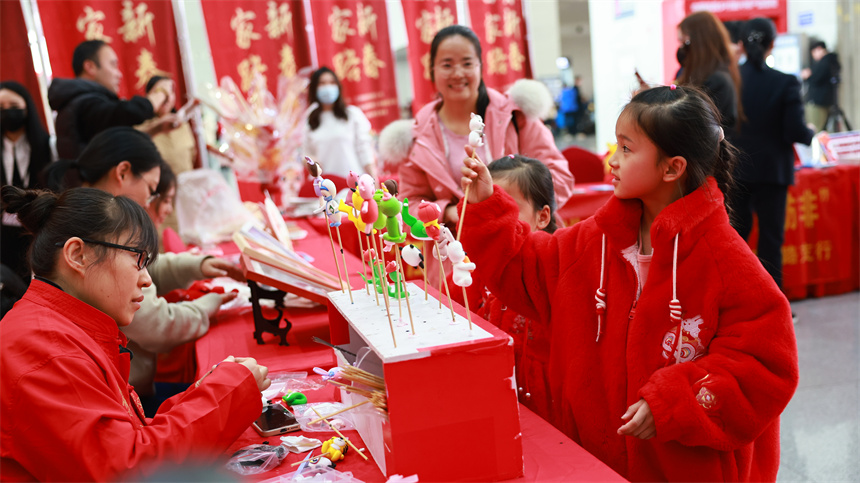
[[635, 166], [528, 212]]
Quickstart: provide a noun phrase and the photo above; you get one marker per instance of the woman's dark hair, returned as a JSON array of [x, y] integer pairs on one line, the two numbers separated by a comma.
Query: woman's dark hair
[[534, 180], [106, 150], [467, 33], [683, 121], [36, 134], [79, 212], [758, 36], [339, 106], [152, 81], [709, 50], [166, 181]]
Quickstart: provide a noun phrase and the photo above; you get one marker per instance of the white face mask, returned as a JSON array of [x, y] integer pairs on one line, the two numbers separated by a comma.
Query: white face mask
[[327, 94]]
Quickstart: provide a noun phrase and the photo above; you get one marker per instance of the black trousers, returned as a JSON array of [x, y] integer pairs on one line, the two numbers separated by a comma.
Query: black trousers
[[768, 202]]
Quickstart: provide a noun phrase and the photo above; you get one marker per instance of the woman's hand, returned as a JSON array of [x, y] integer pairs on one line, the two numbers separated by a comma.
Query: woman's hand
[[640, 421], [451, 215], [217, 267], [475, 173], [261, 373]]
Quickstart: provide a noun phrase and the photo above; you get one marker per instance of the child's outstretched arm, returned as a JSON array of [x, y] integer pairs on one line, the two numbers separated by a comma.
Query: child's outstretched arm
[[728, 397], [519, 267]]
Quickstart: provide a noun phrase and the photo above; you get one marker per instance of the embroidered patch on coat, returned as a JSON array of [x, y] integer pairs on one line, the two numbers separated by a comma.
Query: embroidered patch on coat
[[706, 398], [690, 347]]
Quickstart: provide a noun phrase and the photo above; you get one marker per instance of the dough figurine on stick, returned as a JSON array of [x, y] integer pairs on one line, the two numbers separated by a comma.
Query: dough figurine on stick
[[429, 214], [462, 272], [476, 139], [352, 184], [329, 207]]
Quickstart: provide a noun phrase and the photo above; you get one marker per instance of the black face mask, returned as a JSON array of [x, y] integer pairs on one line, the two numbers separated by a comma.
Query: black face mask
[[681, 54], [12, 119]]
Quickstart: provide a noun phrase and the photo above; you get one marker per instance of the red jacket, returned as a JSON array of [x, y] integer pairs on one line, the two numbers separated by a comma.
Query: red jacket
[[717, 411], [67, 412]]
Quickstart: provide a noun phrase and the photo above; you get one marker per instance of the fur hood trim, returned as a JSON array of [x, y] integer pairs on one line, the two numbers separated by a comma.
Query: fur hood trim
[[395, 141], [531, 97]]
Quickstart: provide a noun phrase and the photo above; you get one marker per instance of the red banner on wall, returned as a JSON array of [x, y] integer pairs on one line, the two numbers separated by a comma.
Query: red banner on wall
[[423, 19], [143, 34], [352, 39], [17, 62], [247, 38], [501, 28]]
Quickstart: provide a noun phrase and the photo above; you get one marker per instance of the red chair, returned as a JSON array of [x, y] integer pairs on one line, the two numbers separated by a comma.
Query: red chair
[[585, 166]]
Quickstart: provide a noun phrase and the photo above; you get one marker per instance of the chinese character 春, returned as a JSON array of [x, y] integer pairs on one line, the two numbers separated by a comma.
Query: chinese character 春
[[366, 20], [244, 28], [339, 21], [431, 22], [371, 62], [511, 23], [136, 22], [515, 57], [497, 61], [146, 68], [491, 25], [90, 24], [280, 20], [808, 208], [288, 62], [347, 65], [251, 68]]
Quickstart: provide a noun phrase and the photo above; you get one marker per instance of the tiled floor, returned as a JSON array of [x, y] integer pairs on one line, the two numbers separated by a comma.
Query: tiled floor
[[820, 429]]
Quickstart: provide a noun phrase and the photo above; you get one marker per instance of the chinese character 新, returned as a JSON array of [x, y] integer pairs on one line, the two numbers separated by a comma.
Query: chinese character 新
[[90, 24], [347, 65], [136, 22], [515, 57], [244, 28], [491, 26], [511, 23], [288, 62], [366, 20], [248, 70], [339, 21], [280, 20], [497, 61], [371, 62], [431, 22]]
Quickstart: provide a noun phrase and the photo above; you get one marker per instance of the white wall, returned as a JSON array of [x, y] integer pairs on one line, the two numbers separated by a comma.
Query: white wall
[[619, 46], [819, 17], [542, 17]]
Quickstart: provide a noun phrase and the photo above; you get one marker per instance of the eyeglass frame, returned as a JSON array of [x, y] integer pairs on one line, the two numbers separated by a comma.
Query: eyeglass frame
[[141, 261]]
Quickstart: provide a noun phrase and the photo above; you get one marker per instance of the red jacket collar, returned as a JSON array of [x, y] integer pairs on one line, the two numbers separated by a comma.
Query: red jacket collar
[[91, 320], [619, 219]]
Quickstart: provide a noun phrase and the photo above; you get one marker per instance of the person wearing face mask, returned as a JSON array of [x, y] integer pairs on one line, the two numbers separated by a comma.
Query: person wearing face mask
[[708, 61], [26, 152], [337, 135]]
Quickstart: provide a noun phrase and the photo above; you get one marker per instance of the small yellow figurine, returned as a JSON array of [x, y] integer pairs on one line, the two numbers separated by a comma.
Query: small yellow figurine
[[335, 447]]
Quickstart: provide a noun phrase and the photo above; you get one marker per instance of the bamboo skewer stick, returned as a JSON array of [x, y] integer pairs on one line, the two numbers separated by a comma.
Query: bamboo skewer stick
[[423, 270], [372, 273], [447, 290], [352, 373], [384, 282], [403, 281], [341, 435], [468, 312], [345, 270], [463, 211], [361, 251], [338, 411], [333, 254]]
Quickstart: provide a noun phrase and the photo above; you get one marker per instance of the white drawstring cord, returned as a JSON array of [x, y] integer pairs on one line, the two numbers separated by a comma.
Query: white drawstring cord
[[675, 304], [600, 296]]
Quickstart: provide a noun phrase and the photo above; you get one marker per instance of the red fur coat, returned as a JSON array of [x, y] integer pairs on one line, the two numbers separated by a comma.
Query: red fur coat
[[716, 396]]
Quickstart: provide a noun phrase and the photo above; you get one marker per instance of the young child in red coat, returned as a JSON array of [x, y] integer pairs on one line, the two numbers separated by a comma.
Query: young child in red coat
[[529, 183], [672, 352]]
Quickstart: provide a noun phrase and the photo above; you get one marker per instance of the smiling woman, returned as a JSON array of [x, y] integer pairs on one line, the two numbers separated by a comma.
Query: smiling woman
[[63, 361]]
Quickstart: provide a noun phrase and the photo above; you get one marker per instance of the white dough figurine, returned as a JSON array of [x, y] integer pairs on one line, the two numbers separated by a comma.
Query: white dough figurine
[[462, 273]]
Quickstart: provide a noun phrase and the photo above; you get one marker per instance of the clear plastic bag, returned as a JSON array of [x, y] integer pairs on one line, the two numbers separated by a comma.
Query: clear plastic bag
[[256, 458], [305, 414], [208, 211]]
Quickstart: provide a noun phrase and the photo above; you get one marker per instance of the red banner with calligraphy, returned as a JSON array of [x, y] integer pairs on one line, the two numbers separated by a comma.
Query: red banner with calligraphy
[[352, 39], [501, 28], [423, 19], [251, 37], [143, 34]]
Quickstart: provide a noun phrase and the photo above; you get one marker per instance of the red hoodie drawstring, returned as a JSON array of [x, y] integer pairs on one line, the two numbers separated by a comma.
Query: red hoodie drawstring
[[600, 296]]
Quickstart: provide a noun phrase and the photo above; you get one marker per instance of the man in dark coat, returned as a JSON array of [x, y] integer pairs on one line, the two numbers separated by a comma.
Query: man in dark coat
[[822, 80]]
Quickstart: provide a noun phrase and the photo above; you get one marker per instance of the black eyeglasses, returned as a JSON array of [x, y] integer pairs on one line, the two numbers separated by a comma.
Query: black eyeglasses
[[143, 258]]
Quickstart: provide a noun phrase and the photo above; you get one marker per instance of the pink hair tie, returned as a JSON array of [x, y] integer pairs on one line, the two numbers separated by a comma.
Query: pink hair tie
[[673, 86], [511, 156]]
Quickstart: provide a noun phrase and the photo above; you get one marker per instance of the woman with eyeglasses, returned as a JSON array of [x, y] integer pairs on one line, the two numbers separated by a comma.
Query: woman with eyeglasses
[[67, 412], [125, 162]]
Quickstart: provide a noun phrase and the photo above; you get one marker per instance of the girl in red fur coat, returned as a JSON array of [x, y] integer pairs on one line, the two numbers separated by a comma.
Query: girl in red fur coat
[[672, 351]]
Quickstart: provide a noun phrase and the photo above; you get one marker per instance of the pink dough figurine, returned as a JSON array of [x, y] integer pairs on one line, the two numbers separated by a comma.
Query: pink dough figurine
[[429, 214], [368, 209]]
